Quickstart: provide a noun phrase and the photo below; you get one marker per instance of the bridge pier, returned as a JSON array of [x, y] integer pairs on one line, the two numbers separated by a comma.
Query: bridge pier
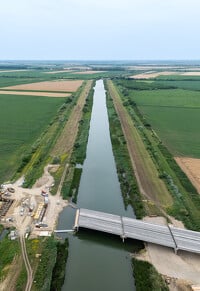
[[76, 224], [125, 227], [123, 237]]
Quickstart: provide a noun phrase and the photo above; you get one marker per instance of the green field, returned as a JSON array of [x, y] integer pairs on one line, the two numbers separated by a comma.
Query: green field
[[22, 119], [178, 128], [175, 115]]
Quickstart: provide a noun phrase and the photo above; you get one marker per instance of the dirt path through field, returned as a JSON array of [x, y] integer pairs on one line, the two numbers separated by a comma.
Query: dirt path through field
[[9, 283], [68, 136], [27, 263], [147, 176]]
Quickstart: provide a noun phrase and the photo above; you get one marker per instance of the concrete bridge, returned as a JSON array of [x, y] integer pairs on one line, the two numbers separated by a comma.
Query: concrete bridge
[[169, 236]]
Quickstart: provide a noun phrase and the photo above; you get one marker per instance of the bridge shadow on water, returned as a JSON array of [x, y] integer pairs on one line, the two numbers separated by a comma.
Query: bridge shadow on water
[[109, 240]]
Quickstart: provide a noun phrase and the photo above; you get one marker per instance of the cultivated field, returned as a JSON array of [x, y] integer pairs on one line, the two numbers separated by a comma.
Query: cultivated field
[[46, 94], [11, 71], [149, 75], [53, 86], [60, 71], [191, 167], [22, 119], [175, 115], [191, 74], [89, 72]]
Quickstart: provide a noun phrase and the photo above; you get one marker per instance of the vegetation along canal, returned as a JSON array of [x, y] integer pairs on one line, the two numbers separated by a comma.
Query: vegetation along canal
[[98, 261]]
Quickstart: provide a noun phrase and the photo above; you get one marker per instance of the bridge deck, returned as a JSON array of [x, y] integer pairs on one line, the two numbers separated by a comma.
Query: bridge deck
[[125, 227]]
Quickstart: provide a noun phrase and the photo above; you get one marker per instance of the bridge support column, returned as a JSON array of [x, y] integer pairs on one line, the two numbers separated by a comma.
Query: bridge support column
[[123, 238], [76, 225]]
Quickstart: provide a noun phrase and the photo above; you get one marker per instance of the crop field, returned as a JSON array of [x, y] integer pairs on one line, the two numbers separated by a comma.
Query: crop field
[[192, 168], [175, 116], [33, 93], [151, 74], [178, 128], [22, 119], [57, 86], [11, 71], [89, 72]]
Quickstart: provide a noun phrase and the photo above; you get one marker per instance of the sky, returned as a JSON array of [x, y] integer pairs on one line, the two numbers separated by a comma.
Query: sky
[[99, 29]]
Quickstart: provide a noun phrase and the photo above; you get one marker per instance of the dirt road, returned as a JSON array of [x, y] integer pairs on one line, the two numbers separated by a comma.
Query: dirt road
[[27, 263], [146, 173], [68, 136]]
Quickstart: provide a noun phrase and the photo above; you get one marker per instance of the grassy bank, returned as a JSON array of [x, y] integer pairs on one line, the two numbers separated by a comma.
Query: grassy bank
[[58, 274], [48, 258], [72, 178], [34, 161], [42, 255], [154, 191], [128, 182], [147, 278]]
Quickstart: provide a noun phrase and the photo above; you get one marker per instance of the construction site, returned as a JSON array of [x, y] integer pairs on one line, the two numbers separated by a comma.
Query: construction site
[[31, 211]]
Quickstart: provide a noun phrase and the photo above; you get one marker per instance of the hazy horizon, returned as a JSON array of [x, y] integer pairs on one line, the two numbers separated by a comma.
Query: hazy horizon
[[135, 30]]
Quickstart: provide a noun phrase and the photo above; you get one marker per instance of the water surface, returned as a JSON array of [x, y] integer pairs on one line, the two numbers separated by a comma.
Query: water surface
[[98, 261]]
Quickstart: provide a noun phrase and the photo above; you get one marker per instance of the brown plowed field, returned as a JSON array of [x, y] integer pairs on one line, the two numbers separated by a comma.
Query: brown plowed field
[[191, 74], [11, 71], [52, 86], [61, 71], [191, 167], [46, 94], [149, 75], [89, 72]]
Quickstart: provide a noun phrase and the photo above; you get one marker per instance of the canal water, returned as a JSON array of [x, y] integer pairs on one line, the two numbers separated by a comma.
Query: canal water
[[98, 261]]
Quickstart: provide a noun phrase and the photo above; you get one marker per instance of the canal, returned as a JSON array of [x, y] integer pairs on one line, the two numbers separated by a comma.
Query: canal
[[98, 261]]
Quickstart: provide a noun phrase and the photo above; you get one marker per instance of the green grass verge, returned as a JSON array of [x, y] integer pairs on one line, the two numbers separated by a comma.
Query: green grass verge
[[128, 183], [156, 189], [58, 274], [8, 250], [72, 178], [147, 278], [44, 264], [22, 279], [1, 228]]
